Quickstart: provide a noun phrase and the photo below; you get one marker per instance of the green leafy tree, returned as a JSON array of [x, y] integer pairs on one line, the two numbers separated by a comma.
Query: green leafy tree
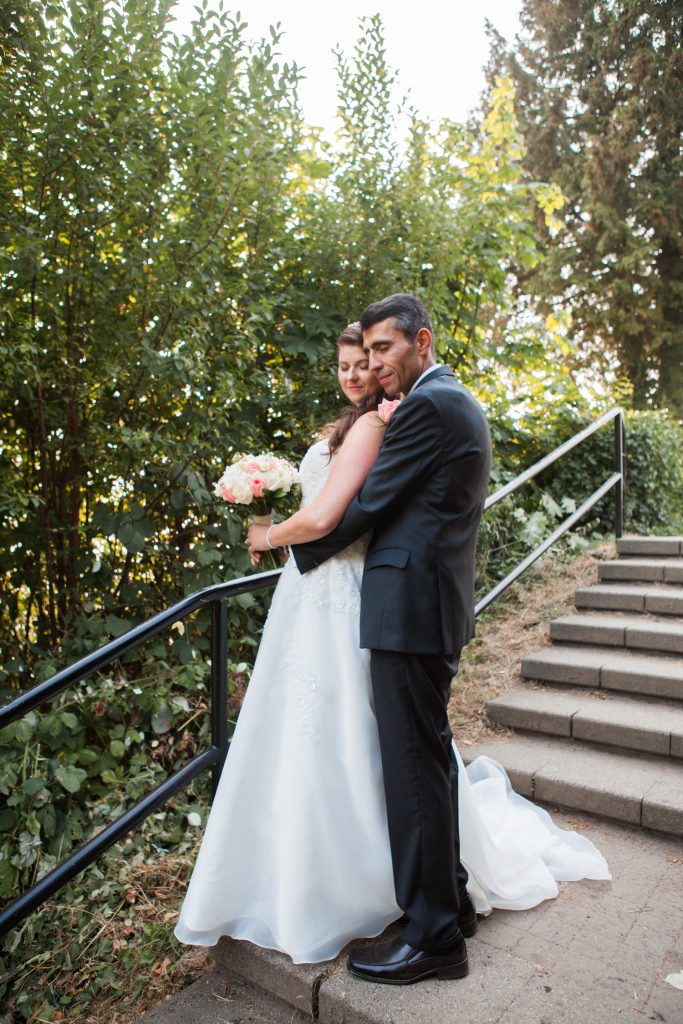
[[598, 87], [143, 192], [443, 214]]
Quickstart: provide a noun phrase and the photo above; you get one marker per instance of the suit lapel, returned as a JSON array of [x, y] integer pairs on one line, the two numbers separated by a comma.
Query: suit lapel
[[442, 371]]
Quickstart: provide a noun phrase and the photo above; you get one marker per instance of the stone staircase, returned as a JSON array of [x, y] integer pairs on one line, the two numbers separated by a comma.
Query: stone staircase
[[598, 724]]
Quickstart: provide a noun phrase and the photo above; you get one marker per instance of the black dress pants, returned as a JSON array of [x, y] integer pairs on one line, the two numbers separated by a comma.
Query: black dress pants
[[411, 694]]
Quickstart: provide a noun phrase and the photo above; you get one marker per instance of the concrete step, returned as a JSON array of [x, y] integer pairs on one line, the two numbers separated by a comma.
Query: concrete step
[[651, 726], [653, 570], [639, 789], [650, 675], [219, 999], [633, 597], [645, 546], [617, 630], [297, 985]]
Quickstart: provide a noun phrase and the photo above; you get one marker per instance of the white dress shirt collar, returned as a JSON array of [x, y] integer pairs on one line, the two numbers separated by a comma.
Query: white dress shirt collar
[[430, 369]]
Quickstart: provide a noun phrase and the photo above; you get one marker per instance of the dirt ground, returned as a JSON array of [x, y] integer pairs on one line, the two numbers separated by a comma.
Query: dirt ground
[[514, 626]]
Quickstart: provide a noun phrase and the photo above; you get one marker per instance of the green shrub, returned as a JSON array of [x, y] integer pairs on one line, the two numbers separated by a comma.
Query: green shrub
[[654, 487], [654, 472]]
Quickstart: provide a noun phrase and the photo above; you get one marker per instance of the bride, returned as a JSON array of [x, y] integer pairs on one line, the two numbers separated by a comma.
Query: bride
[[296, 853]]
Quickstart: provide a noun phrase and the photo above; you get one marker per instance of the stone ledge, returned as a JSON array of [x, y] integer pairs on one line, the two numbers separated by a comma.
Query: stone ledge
[[620, 630], [495, 980], [295, 984], [650, 674], [612, 784], [598, 953], [632, 723], [647, 569], [215, 999], [651, 599], [650, 546]]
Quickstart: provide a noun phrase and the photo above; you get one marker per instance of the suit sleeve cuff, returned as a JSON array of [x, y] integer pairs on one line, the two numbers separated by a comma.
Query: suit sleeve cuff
[[304, 560]]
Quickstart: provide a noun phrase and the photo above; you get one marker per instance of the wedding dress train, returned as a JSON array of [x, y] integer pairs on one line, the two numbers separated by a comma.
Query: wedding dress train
[[296, 853]]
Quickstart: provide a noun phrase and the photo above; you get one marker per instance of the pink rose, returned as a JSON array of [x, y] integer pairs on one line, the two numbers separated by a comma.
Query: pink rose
[[386, 409], [228, 494], [257, 487]]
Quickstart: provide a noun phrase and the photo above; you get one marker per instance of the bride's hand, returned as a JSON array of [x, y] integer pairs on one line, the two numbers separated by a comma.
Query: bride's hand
[[256, 541]]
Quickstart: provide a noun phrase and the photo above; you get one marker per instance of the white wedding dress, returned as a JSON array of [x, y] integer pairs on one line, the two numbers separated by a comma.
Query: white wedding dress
[[296, 853]]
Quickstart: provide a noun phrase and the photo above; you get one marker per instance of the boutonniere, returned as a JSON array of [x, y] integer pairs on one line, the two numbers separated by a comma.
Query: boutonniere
[[386, 409]]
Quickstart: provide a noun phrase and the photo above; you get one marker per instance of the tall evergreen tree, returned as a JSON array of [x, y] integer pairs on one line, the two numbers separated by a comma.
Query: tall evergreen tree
[[599, 86]]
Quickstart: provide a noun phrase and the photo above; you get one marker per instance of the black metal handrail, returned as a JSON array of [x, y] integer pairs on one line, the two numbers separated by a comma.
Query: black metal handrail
[[617, 481], [217, 597]]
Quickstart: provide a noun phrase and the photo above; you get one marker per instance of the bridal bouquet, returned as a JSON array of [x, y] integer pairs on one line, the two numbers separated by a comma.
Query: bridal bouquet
[[259, 481]]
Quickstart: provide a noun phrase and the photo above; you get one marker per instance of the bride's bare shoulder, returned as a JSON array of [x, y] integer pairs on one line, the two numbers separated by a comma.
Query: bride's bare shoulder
[[368, 429], [371, 420]]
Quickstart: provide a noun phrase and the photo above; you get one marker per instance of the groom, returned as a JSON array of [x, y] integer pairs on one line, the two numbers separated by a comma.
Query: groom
[[423, 501]]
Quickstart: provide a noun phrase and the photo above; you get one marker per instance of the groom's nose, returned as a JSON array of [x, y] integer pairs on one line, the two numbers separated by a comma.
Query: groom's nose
[[374, 361]]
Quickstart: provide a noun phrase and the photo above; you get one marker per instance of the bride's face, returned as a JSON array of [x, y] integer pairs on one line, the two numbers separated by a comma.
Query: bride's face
[[355, 378]]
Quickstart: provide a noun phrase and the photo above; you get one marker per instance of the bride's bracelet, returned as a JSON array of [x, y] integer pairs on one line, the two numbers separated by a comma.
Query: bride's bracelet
[[271, 546]]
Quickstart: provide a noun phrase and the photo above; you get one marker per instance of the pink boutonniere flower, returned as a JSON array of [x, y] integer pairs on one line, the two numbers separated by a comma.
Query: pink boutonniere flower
[[386, 409]]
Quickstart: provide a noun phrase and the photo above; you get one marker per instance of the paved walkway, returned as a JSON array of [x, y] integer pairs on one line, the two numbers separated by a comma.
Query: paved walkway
[[599, 954]]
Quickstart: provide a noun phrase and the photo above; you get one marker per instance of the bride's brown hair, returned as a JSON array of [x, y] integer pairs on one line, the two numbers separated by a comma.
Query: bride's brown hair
[[351, 335]]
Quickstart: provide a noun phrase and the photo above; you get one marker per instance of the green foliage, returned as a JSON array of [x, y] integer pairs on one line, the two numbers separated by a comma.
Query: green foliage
[[598, 85], [101, 747], [514, 527], [655, 474], [106, 944], [69, 772], [654, 485], [654, 471], [144, 194]]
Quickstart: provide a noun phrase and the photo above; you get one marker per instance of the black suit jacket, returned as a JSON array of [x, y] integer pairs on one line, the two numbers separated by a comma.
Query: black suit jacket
[[423, 500]]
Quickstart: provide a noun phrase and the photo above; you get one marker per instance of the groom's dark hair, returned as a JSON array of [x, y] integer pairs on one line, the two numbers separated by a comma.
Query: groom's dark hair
[[408, 313]]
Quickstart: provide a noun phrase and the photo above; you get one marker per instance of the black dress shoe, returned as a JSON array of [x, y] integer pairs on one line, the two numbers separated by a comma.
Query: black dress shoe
[[397, 963]]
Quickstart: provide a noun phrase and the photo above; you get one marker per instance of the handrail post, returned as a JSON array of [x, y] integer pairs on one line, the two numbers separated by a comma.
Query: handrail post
[[219, 687], [620, 489]]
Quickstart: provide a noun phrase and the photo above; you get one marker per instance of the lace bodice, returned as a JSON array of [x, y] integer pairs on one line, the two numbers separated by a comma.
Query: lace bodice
[[335, 583]]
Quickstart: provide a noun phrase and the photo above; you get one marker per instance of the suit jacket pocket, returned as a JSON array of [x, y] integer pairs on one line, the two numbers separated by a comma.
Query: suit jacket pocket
[[400, 603], [398, 557]]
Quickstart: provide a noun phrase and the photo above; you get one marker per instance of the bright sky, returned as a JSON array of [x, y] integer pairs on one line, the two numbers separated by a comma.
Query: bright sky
[[439, 47]]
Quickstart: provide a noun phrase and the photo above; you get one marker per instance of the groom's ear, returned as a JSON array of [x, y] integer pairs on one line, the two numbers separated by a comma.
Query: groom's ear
[[423, 341]]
